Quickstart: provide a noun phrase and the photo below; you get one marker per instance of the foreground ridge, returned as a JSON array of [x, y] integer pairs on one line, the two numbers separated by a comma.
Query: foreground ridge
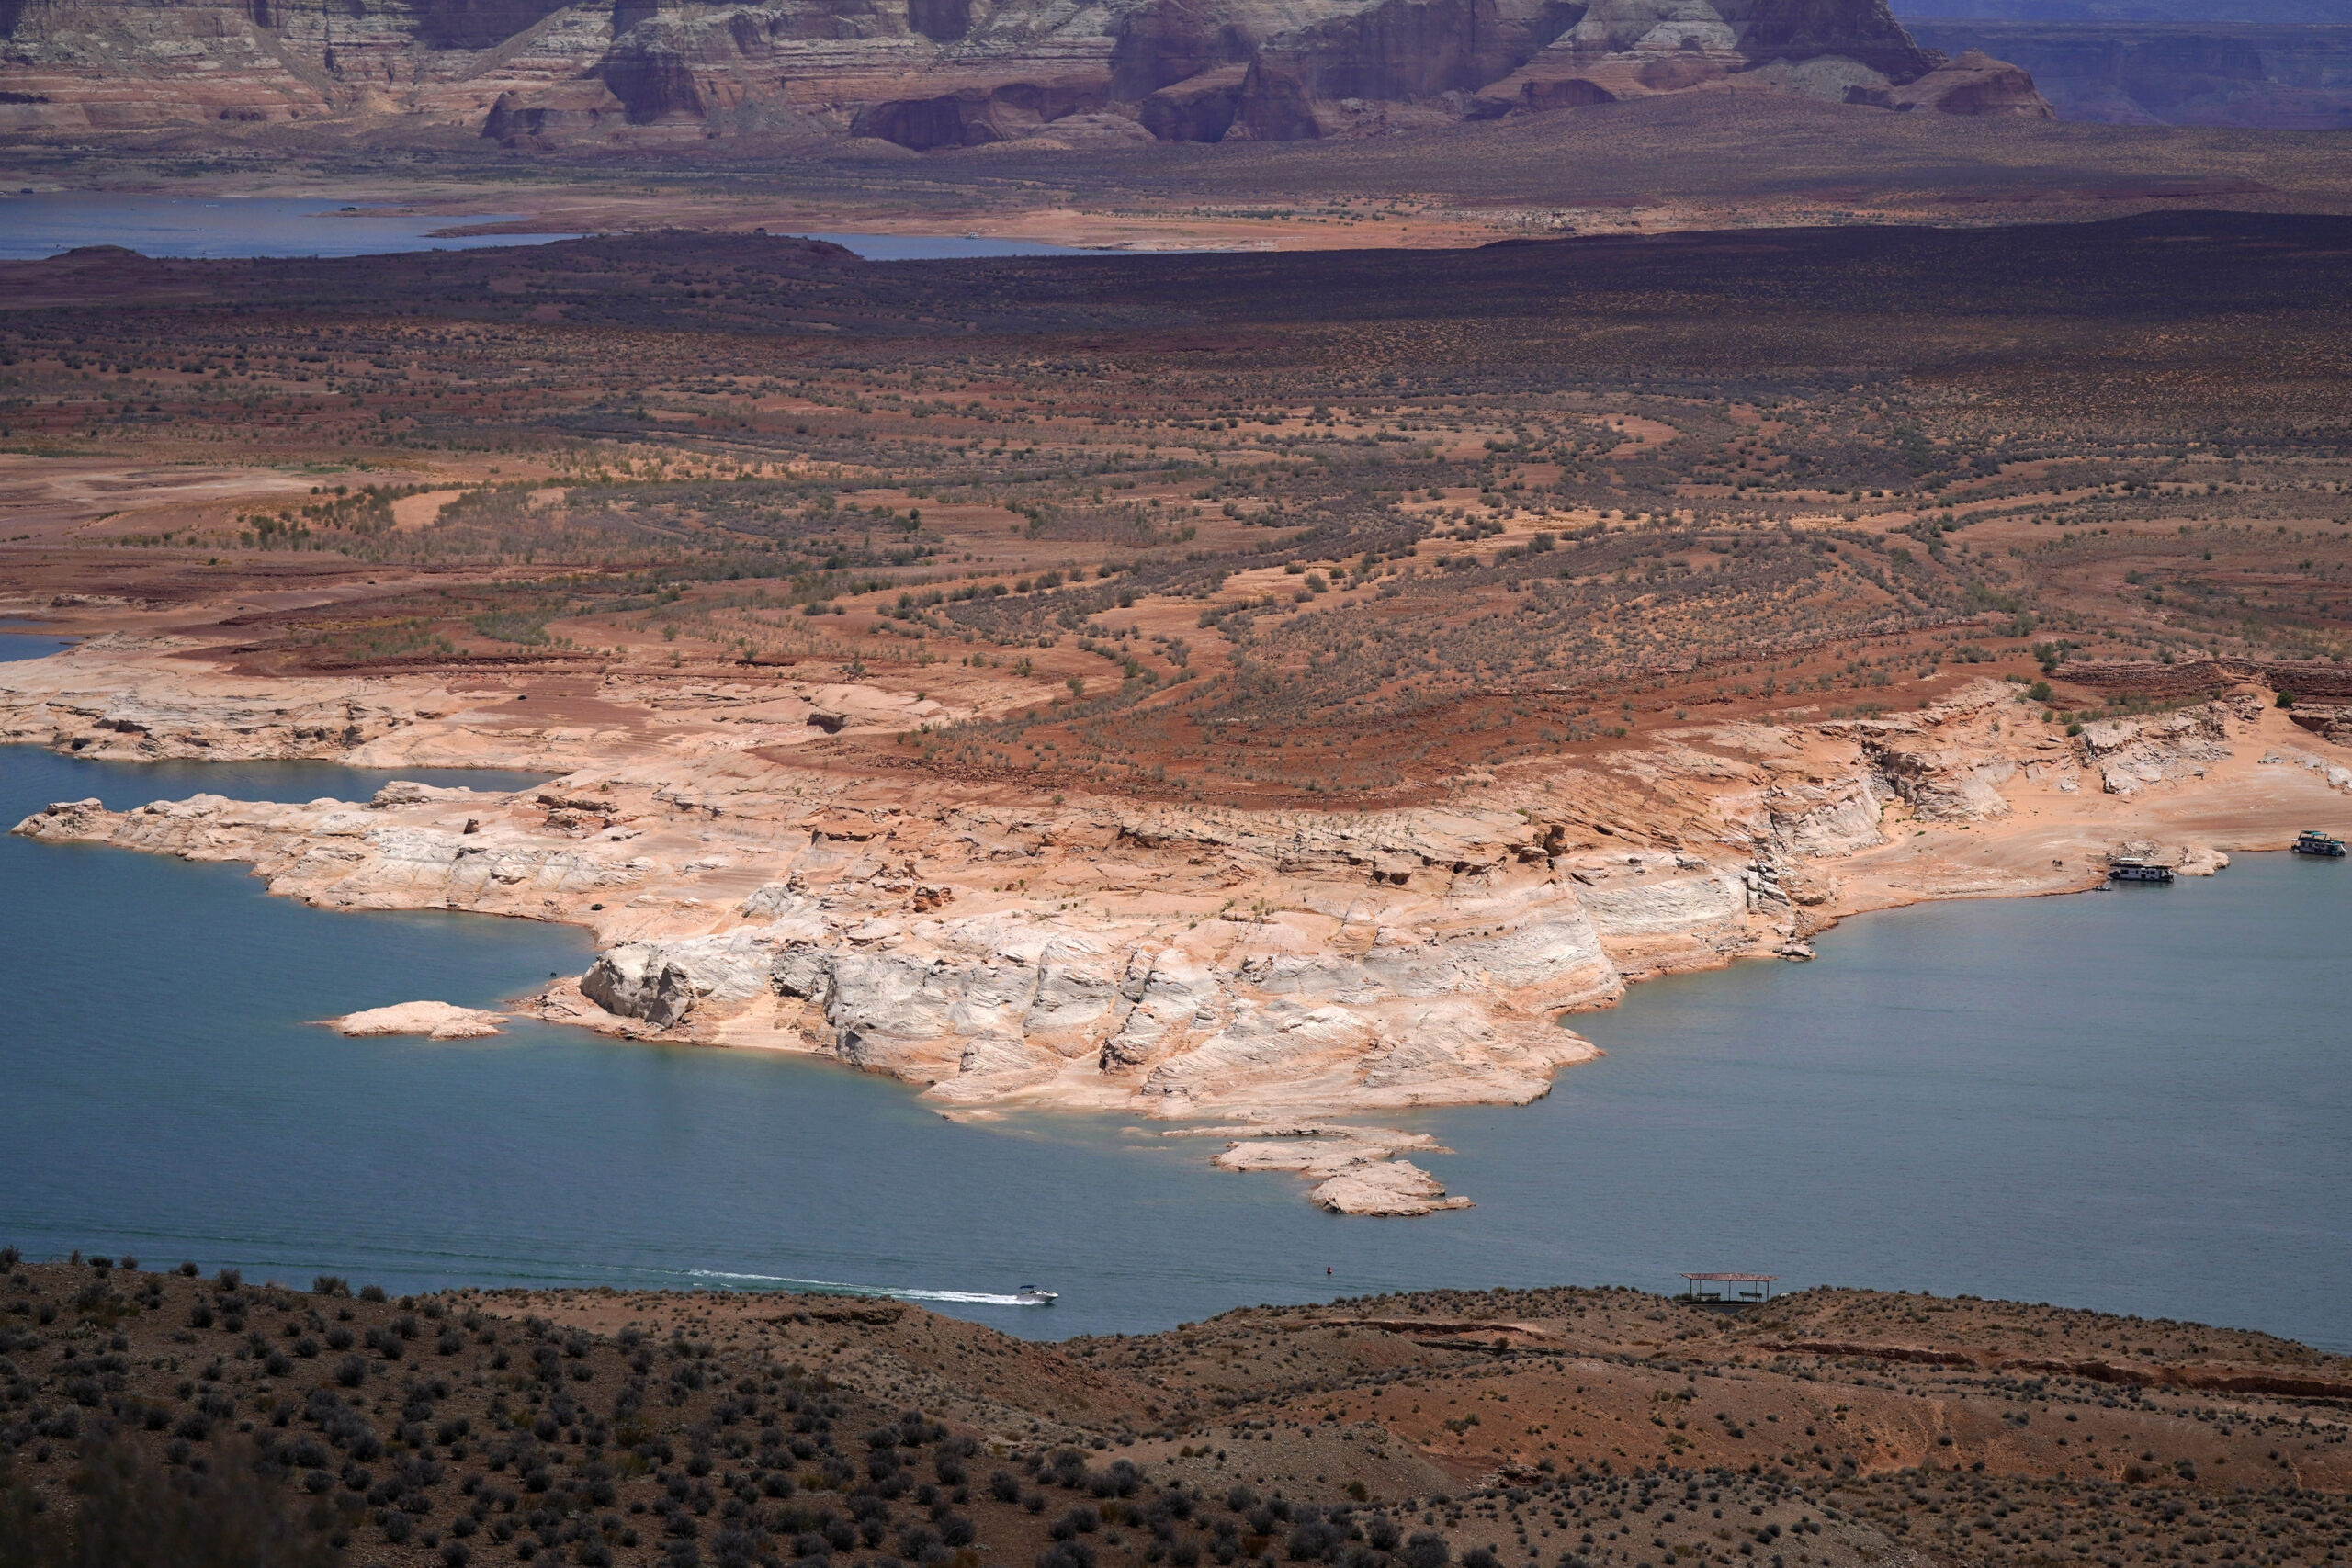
[[1562, 1427]]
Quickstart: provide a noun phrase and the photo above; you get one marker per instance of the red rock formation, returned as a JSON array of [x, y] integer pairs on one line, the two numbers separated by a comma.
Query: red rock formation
[[974, 114], [562, 112], [1975, 84], [1839, 50], [1199, 108]]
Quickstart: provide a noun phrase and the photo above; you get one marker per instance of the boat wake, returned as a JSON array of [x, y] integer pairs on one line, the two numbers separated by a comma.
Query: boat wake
[[891, 1292]]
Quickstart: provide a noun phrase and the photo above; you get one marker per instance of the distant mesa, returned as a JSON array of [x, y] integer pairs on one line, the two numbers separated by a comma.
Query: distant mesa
[[930, 76]]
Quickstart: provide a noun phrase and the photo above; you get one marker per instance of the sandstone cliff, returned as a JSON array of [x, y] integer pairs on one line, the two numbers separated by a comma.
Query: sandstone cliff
[[922, 74]]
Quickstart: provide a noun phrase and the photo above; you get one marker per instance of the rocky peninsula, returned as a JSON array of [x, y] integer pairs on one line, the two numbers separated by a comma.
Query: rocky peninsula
[[1269, 969]]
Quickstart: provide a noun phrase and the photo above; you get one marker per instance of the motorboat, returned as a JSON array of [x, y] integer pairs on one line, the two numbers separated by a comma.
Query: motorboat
[[1031, 1296]]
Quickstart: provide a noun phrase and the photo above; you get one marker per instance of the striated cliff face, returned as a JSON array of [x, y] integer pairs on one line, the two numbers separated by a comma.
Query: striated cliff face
[[923, 74]]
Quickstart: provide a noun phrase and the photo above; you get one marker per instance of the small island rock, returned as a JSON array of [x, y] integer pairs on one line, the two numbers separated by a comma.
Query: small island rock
[[437, 1020], [1390, 1187]]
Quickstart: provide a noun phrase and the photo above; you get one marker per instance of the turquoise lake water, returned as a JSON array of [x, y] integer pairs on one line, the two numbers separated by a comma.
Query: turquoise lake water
[[2135, 1101]]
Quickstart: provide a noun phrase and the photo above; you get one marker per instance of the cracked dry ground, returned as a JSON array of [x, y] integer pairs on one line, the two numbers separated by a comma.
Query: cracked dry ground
[[1555, 1428]]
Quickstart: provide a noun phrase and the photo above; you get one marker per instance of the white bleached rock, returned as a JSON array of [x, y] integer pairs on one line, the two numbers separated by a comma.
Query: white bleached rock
[[1394, 1188], [661, 982], [2132, 754], [435, 1020]]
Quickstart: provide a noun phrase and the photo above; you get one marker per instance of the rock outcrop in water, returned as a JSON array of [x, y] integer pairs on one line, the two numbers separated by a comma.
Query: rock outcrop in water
[[922, 73], [1396, 1188], [435, 1021]]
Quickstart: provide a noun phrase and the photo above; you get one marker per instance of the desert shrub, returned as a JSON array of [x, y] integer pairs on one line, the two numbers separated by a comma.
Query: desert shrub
[[1426, 1550], [132, 1511]]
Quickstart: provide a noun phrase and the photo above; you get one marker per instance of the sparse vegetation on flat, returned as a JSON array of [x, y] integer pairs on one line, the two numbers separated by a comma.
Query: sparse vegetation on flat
[[1327, 527]]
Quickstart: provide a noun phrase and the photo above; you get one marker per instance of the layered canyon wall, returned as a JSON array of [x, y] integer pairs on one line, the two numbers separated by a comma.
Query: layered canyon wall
[[920, 74]]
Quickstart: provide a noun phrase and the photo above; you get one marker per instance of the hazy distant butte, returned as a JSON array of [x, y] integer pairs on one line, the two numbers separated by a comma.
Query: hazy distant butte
[[929, 73], [1169, 961]]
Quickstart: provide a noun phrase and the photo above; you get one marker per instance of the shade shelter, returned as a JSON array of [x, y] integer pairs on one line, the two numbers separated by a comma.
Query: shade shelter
[[1728, 1286]]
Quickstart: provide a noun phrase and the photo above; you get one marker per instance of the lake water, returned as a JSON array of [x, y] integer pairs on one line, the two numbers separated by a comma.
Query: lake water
[[2135, 1102], [28, 639], [48, 222]]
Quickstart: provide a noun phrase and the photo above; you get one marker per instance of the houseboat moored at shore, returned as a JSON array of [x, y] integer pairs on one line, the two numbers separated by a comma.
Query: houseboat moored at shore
[[2137, 871], [2318, 843]]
